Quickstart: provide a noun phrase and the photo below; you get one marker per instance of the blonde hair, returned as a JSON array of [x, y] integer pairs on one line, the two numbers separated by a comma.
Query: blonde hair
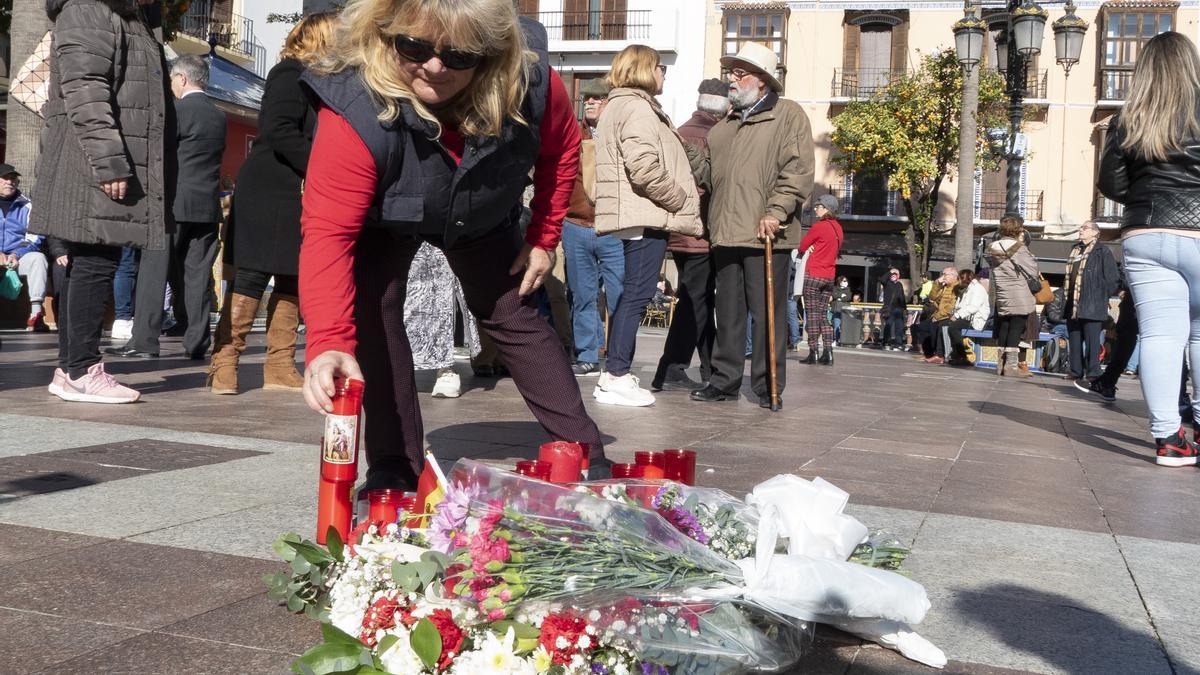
[[365, 36], [633, 67], [1160, 111], [310, 39]]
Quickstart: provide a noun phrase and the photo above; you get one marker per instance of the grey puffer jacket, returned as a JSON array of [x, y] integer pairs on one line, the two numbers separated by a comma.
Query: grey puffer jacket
[[110, 116], [1012, 267]]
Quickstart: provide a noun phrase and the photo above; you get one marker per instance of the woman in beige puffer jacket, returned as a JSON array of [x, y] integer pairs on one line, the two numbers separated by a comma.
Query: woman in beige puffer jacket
[[644, 189]]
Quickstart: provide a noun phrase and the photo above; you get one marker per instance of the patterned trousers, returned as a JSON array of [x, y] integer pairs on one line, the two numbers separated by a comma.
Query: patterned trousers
[[817, 294]]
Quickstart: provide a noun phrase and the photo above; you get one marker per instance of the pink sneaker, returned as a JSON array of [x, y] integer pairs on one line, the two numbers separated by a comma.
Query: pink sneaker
[[56, 384], [97, 387]]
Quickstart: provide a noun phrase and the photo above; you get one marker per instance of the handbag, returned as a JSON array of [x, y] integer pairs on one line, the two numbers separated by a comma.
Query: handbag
[[10, 285], [31, 86], [1039, 287]]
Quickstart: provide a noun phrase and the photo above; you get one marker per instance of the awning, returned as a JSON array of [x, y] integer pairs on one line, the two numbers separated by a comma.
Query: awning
[[870, 249]]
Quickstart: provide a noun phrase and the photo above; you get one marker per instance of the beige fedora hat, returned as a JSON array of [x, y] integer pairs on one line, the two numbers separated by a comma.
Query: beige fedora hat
[[759, 57]]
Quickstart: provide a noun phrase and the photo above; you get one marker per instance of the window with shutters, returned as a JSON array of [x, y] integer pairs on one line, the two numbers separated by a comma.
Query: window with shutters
[[765, 26], [595, 20], [1125, 31], [874, 53]]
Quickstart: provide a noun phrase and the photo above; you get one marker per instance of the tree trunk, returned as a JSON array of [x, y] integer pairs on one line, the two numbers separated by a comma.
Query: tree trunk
[[964, 207], [910, 240], [931, 202], [24, 129]]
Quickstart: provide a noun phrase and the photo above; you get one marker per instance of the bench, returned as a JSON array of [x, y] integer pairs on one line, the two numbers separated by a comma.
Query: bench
[[987, 354]]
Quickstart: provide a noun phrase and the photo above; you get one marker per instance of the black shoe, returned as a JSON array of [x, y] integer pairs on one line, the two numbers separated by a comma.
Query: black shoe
[[385, 477], [1107, 393], [674, 378], [130, 353], [812, 357], [483, 371], [765, 401], [585, 369], [826, 357], [711, 393], [600, 469]]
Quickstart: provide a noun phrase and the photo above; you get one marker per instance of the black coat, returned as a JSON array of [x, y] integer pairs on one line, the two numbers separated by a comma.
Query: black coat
[[1155, 194], [1101, 279], [893, 296], [201, 133], [265, 219]]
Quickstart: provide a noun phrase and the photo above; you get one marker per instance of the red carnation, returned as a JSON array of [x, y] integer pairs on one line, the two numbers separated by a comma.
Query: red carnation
[[380, 615], [567, 626], [452, 636]]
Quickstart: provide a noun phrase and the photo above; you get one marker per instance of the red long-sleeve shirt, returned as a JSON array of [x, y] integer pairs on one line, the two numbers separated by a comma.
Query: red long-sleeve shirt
[[825, 236], [340, 187]]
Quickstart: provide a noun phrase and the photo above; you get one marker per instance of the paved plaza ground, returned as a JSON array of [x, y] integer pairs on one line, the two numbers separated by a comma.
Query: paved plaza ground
[[133, 538]]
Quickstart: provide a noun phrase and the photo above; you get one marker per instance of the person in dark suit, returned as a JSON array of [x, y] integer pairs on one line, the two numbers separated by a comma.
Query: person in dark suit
[[262, 237], [191, 250]]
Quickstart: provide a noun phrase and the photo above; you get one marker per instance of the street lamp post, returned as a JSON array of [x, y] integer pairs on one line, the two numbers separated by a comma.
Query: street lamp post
[[1020, 41]]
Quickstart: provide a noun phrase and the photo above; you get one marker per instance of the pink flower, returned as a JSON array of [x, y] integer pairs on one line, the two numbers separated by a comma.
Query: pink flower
[[495, 615], [506, 595]]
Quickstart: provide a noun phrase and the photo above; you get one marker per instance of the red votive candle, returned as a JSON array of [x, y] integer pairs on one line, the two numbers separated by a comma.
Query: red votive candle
[[385, 505], [339, 455], [565, 460], [534, 468], [625, 470], [333, 508], [680, 465], [408, 504], [653, 464]]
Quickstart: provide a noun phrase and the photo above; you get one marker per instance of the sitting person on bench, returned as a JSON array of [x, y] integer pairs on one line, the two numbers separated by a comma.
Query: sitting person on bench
[[971, 312], [21, 250]]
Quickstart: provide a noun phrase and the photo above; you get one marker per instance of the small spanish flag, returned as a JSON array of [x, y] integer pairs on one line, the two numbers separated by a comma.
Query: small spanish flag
[[431, 486]]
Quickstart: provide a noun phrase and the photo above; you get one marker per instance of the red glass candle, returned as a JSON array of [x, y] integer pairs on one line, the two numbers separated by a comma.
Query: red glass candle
[[565, 460], [333, 508], [653, 464], [384, 505], [625, 470], [409, 505], [680, 465], [534, 469], [339, 454]]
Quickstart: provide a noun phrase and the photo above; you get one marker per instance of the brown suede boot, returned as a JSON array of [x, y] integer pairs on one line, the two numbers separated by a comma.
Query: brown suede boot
[[283, 317], [1022, 370], [237, 318]]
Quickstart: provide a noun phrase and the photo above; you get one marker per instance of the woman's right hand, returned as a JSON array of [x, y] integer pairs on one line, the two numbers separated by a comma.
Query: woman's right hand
[[115, 189], [318, 378]]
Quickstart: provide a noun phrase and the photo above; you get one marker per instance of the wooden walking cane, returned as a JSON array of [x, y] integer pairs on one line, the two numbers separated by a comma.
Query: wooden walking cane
[[771, 373]]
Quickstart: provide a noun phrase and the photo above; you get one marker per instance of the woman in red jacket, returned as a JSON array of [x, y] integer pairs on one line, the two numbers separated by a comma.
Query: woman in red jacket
[[432, 116], [822, 242]]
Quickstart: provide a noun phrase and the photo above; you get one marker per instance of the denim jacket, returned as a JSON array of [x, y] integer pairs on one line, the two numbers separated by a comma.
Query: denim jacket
[[14, 235]]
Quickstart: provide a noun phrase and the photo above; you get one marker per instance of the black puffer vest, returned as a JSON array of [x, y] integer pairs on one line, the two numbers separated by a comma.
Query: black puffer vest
[[421, 191]]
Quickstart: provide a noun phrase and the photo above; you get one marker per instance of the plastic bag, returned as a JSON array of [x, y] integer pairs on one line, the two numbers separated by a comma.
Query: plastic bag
[[10, 285]]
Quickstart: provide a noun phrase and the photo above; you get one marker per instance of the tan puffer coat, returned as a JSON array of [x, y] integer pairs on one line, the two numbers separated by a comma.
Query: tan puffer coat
[[643, 178]]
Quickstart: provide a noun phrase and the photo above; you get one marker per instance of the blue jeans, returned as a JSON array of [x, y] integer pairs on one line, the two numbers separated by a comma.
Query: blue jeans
[[591, 259], [125, 283], [643, 259], [1163, 271], [837, 326], [793, 315], [1132, 366]]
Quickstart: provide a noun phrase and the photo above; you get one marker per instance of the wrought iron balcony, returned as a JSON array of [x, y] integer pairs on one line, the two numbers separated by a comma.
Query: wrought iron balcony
[[867, 202], [990, 205], [597, 24], [235, 34], [1114, 84], [860, 83], [1035, 82]]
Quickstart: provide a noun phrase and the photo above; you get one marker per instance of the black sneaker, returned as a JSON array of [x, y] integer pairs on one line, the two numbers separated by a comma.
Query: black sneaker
[[584, 369], [1107, 393], [1175, 450]]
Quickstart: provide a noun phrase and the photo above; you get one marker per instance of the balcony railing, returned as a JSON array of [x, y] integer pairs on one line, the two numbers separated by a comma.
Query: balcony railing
[[1105, 210], [236, 34], [990, 205], [1114, 84], [597, 25], [868, 202], [1035, 82], [861, 83]]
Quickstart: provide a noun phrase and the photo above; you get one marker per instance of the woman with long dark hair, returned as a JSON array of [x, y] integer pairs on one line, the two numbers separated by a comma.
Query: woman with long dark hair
[[1151, 164]]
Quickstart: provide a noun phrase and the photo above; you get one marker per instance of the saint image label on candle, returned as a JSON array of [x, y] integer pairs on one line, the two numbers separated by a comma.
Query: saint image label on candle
[[340, 433]]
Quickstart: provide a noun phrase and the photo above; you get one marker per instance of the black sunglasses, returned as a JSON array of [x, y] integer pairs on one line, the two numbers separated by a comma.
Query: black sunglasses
[[420, 51]]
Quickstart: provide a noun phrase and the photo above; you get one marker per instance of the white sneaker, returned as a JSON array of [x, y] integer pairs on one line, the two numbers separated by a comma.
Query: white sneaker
[[448, 385], [122, 329], [622, 390], [96, 387]]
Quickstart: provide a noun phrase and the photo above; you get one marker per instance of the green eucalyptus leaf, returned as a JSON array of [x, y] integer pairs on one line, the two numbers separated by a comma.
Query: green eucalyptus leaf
[[437, 557], [522, 631], [386, 643], [426, 642], [316, 576], [300, 565], [329, 658], [405, 576], [282, 548], [426, 571], [294, 604], [311, 552], [333, 542]]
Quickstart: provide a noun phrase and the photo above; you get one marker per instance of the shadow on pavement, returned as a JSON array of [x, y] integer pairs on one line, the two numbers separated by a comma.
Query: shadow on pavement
[[1086, 434]]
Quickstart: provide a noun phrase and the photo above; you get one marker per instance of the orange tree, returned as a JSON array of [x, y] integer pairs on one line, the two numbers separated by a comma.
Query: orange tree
[[908, 133]]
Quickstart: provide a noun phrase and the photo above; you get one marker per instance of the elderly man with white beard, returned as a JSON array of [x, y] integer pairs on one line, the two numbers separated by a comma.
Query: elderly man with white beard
[[759, 170]]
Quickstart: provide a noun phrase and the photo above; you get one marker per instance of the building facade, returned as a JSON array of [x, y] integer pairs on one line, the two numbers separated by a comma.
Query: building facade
[[836, 51], [585, 35]]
